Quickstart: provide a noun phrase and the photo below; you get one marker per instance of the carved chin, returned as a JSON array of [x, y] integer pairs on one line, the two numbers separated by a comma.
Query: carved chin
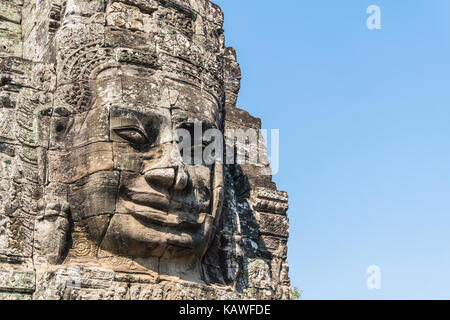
[[128, 235]]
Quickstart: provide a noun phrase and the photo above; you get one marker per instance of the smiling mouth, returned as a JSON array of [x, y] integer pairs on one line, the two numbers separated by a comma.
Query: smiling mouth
[[153, 209], [156, 218], [157, 202]]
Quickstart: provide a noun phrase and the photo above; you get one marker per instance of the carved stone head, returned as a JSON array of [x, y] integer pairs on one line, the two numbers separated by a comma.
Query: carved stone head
[[126, 85]]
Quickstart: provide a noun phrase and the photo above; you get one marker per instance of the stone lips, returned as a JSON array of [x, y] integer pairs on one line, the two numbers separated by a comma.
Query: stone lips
[[64, 65]]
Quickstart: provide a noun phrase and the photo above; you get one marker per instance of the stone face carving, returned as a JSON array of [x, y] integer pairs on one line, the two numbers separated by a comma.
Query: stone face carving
[[96, 198]]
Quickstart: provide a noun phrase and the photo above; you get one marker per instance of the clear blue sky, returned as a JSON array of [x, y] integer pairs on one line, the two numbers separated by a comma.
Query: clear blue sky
[[364, 119]]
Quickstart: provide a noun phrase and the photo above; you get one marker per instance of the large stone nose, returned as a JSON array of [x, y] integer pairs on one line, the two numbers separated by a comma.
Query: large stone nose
[[161, 177], [168, 178]]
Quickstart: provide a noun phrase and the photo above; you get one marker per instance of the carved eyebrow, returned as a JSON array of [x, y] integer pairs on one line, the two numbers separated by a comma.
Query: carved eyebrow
[[122, 112], [125, 118]]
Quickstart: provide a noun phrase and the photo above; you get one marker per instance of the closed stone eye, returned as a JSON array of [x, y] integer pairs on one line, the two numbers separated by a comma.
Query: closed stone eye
[[133, 135]]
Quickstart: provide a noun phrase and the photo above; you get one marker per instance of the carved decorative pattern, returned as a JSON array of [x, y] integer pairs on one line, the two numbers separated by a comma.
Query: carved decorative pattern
[[272, 201], [82, 246]]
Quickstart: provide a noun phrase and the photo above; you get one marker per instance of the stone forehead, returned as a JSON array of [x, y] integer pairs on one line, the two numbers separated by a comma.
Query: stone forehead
[[143, 91], [176, 100]]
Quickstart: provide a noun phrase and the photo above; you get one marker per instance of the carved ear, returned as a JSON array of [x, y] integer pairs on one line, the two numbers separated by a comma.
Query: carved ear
[[52, 229]]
